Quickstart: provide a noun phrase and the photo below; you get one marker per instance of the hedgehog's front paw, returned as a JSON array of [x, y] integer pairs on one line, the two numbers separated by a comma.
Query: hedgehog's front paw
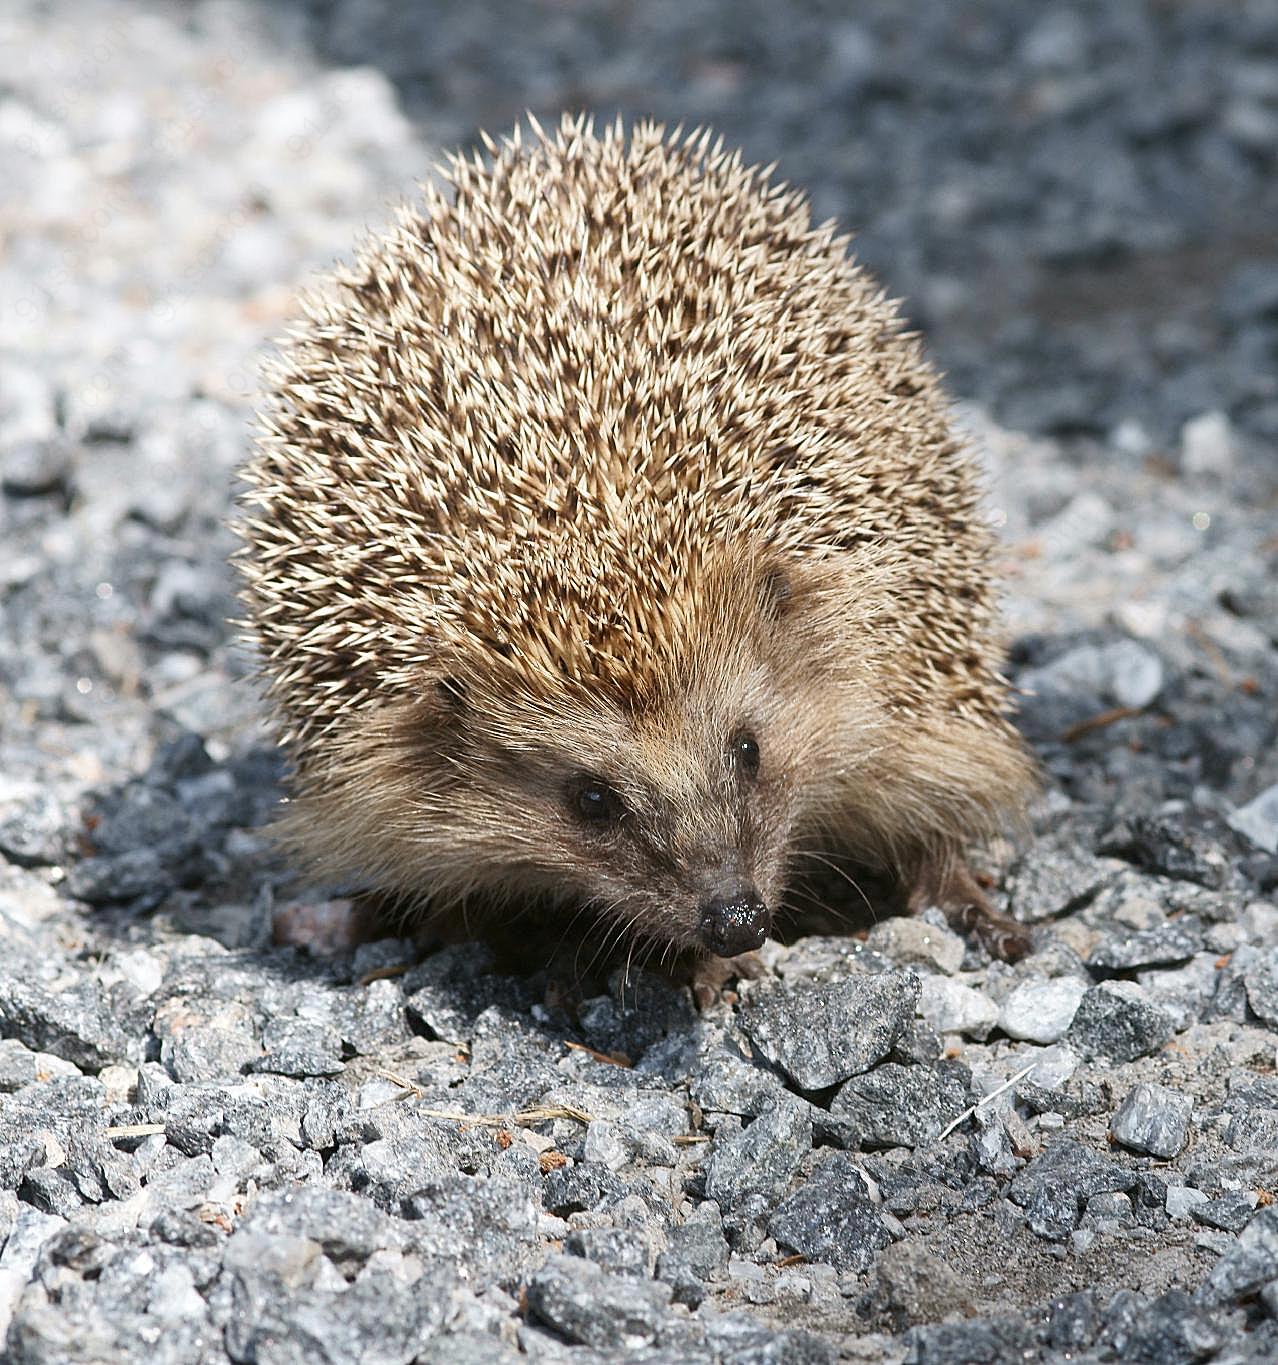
[[710, 975], [954, 889], [1000, 936]]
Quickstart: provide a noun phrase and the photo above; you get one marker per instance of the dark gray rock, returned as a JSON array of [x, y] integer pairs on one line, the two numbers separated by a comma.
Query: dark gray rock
[[1172, 1328], [725, 1083], [1253, 1132], [619, 1251], [347, 1229], [918, 1045], [1176, 941], [1187, 992], [450, 990], [641, 1012], [370, 1018], [285, 1318], [298, 1047], [324, 1114], [480, 1347], [141, 815], [1108, 1209], [1118, 1020], [696, 1251], [583, 1304], [904, 1106], [179, 1228], [394, 1169], [1053, 878], [50, 1191], [180, 758], [755, 1164], [209, 1053], [1153, 1119], [1054, 1186], [958, 1343], [820, 1034], [1171, 846], [181, 1182], [98, 1171], [739, 1337], [213, 800], [585, 1187], [511, 1063], [1073, 1322], [1247, 1266], [1230, 1212], [128, 876], [831, 1218], [1123, 673], [1250, 1090], [79, 1024], [1261, 983], [383, 954], [991, 1144], [486, 1225]]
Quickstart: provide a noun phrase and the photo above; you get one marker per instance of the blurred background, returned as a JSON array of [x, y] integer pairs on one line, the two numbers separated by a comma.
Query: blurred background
[[1078, 201]]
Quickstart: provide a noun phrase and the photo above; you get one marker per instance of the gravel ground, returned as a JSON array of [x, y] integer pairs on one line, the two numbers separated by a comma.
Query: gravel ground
[[889, 1149]]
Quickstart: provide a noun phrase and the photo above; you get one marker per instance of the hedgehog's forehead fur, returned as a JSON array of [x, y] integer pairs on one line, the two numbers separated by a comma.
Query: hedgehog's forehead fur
[[531, 424]]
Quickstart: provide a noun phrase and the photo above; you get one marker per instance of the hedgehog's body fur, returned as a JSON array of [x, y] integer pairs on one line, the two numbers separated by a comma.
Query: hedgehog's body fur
[[582, 479]]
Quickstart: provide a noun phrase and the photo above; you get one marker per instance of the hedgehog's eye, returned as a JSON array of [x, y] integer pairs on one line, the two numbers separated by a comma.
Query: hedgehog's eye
[[595, 801], [745, 753]]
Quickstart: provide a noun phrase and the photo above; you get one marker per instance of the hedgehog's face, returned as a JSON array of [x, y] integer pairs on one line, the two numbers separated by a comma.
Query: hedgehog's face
[[670, 822], [678, 833]]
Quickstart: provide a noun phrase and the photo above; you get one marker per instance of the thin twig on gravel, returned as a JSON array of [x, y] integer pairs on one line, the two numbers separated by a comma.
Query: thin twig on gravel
[[984, 1100], [524, 1118], [128, 1130]]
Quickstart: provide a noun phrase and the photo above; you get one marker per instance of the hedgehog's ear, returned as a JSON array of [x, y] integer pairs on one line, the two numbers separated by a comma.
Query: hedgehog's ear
[[780, 585], [439, 704], [430, 722]]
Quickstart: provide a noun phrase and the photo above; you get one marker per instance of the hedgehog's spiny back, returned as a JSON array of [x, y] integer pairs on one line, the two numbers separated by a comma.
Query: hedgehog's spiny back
[[529, 417]]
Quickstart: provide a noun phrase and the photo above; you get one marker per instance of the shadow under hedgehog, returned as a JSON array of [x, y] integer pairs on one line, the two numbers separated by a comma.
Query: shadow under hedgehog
[[609, 549]]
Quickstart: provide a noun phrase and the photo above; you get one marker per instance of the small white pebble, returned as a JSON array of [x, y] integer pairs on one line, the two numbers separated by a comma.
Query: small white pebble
[[950, 1007], [1181, 1199], [745, 1270], [1041, 1010]]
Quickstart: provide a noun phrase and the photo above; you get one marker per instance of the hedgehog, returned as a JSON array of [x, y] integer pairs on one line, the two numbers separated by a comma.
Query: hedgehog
[[608, 548]]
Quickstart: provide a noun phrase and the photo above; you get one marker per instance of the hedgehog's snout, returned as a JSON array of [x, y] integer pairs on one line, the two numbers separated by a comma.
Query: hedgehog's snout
[[734, 921]]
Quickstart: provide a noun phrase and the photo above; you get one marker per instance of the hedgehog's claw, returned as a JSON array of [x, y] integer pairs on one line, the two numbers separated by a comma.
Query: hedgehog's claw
[[967, 909], [709, 976]]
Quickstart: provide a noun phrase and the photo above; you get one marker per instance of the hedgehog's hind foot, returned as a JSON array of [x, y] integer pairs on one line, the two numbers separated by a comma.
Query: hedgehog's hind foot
[[952, 887]]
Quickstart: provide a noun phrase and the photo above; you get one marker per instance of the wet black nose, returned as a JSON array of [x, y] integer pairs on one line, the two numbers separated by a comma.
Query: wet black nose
[[734, 924]]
